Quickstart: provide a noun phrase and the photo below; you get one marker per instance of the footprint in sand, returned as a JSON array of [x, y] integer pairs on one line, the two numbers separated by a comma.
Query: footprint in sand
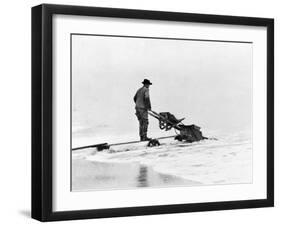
[[197, 165]]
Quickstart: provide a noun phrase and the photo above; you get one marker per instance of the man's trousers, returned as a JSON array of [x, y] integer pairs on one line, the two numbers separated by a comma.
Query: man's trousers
[[142, 115]]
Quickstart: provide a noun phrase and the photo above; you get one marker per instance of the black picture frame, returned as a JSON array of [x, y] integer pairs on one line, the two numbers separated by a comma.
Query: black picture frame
[[42, 107]]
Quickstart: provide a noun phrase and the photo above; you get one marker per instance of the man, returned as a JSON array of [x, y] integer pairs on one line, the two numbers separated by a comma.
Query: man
[[143, 104]]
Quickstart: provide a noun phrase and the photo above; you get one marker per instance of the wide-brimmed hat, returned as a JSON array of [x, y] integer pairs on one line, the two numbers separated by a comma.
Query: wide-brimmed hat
[[146, 81]]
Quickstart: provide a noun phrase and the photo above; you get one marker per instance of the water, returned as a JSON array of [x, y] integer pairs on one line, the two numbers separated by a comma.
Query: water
[[92, 175]]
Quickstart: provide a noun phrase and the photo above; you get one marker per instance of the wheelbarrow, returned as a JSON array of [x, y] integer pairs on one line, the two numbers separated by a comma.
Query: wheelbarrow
[[187, 133]]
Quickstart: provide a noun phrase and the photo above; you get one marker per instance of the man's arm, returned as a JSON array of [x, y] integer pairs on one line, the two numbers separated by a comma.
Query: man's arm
[[147, 100]]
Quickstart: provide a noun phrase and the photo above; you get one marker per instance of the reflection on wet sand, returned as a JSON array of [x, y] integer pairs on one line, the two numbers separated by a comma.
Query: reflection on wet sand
[[142, 177], [90, 175]]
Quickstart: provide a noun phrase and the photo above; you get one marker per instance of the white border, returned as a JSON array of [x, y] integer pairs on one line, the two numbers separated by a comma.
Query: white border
[[64, 199]]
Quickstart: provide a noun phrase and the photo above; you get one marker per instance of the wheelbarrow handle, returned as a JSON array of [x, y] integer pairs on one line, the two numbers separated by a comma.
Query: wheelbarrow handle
[[153, 112]]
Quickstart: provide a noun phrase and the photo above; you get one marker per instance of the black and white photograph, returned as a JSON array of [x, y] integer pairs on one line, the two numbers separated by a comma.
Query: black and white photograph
[[141, 112], [151, 112]]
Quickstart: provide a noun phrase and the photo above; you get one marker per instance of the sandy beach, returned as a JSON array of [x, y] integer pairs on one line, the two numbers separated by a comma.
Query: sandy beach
[[227, 160]]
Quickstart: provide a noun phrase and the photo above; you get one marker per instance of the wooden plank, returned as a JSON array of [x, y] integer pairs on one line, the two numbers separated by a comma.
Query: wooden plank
[[88, 146], [116, 144]]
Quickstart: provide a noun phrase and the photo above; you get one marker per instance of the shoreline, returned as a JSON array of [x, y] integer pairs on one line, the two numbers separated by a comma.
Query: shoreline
[[93, 175]]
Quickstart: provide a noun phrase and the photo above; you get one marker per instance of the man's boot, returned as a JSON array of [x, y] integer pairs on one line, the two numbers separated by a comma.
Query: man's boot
[[145, 138]]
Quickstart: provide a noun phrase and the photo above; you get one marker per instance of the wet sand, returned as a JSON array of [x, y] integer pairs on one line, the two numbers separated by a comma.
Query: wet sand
[[91, 175]]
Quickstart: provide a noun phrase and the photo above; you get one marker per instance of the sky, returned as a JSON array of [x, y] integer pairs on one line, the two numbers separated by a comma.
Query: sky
[[209, 83]]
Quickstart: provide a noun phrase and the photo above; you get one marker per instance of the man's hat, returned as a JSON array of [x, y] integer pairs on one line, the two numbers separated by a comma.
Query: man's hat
[[146, 81]]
